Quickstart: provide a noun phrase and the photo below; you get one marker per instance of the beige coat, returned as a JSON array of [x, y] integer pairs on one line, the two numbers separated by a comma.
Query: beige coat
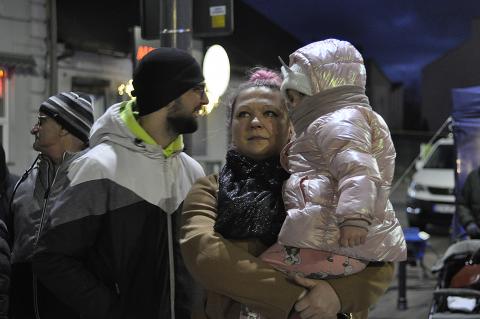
[[231, 273]]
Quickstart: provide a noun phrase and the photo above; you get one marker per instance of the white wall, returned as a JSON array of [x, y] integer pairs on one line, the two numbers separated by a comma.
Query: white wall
[[90, 65], [23, 31]]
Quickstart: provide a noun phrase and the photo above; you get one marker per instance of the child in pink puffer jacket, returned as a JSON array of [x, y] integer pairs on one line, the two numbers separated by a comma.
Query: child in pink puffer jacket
[[341, 162]]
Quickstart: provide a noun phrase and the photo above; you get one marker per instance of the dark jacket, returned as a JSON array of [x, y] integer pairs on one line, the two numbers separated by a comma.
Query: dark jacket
[[106, 247], [468, 203], [33, 198], [7, 183]]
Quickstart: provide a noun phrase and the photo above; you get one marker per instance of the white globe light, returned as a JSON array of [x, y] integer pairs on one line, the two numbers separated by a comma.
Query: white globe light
[[216, 71]]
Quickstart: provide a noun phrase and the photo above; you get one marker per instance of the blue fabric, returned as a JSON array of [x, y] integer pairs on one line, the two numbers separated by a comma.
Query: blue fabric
[[466, 133], [412, 234], [415, 244]]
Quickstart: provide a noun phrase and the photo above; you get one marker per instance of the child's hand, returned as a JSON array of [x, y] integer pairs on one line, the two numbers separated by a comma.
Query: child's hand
[[351, 236]]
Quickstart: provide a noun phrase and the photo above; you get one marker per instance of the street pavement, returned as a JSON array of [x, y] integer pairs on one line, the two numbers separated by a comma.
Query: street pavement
[[420, 282]]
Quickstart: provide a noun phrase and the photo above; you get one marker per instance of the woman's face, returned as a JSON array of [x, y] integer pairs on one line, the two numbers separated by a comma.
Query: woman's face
[[260, 126]]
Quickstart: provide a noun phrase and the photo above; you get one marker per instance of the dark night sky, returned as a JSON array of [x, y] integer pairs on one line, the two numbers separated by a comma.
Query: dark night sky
[[400, 35]]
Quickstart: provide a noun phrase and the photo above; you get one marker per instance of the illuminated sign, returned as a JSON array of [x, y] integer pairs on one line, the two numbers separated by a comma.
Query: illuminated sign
[[3, 75], [142, 46], [142, 50]]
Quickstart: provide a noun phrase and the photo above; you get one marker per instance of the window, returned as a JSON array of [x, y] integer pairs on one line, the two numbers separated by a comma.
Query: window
[[3, 110], [442, 157]]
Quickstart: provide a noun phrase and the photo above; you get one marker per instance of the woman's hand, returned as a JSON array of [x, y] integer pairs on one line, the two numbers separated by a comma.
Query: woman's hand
[[320, 302]]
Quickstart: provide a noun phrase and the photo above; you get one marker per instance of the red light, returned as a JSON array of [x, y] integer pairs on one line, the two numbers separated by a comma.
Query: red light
[[3, 75], [142, 51]]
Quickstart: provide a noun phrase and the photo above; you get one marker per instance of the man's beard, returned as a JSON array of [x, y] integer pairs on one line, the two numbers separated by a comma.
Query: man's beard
[[182, 124]]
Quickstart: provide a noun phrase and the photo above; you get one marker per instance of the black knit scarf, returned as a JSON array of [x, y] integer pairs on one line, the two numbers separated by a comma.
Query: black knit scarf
[[250, 201]]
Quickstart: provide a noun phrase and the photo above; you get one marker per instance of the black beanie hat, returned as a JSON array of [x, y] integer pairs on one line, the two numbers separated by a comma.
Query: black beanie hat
[[71, 110], [162, 76]]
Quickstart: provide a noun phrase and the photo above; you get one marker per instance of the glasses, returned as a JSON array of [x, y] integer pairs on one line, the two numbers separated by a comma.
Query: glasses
[[41, 119], [200, 89]]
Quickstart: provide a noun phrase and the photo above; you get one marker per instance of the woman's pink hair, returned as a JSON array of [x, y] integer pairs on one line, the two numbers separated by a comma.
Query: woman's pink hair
[[257, 77], [264, 75]]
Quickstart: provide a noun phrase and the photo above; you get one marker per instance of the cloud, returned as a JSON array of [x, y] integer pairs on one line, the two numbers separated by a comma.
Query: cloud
[[404, 21]]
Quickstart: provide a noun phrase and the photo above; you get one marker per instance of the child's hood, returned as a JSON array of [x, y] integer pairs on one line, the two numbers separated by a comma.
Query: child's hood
[[324, 65]]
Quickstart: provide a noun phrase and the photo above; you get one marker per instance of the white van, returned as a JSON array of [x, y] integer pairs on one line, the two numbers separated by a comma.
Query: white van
[[430, 196]]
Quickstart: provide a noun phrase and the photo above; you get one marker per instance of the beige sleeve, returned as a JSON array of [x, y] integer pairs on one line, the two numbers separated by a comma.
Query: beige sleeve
[[221, 266], [373, 281]]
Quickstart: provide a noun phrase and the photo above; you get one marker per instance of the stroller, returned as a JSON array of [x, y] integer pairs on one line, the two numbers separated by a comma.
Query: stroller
[[449, 302]]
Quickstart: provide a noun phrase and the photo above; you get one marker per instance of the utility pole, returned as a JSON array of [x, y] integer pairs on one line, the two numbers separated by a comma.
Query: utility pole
[[176, 32], [176, 27], [175, 23]]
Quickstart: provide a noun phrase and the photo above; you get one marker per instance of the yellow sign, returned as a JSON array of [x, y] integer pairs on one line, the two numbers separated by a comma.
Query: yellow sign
[[218, 13], [218, 22]]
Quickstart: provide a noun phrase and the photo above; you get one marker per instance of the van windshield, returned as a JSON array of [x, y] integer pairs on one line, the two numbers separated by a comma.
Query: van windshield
[[442, 157]]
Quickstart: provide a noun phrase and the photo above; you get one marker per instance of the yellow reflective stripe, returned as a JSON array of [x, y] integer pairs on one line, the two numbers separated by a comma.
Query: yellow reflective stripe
[[128, 116]]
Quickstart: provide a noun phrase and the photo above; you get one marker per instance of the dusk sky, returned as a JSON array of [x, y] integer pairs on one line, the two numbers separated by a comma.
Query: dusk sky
[[402, 36]]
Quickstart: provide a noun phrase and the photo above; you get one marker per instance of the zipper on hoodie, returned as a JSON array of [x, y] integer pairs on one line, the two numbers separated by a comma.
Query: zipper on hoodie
[[45, 202], [37, 237]]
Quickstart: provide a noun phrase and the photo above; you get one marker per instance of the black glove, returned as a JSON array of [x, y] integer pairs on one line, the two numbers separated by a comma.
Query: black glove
[[473, 230]]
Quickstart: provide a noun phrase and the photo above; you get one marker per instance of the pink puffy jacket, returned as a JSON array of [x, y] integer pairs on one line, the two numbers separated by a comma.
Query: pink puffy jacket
[[342, 159]]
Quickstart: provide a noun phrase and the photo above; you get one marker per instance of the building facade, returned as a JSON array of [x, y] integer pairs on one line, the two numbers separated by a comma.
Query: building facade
[[25, 75], [460, 67], [386, 98], [92, 59]]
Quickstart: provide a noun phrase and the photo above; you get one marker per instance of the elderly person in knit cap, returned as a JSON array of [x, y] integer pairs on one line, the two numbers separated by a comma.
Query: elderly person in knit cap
[[110, 250], [61, 132]]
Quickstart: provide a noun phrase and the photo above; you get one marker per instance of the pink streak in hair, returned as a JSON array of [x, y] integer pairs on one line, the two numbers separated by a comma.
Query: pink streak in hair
[[264, 75]]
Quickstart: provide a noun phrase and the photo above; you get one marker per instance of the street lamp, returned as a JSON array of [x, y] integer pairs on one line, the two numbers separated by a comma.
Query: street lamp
[[216, 71]]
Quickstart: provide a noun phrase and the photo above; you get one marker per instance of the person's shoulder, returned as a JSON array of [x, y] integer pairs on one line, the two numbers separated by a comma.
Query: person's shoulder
[[355, 112], [205, 184], [91, 164], [474, 175], [192, 165], [12, 180], [211, 179]]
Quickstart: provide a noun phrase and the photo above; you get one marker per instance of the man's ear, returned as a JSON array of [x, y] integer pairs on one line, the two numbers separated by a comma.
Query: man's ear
[[63, 132]]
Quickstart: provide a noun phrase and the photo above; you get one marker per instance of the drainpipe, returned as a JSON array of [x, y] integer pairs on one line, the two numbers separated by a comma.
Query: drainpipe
[[52, 46]]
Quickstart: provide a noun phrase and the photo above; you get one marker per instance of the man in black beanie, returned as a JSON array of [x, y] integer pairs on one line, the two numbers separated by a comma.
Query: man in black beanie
[[61, 133], [164, 76], [111, 247]]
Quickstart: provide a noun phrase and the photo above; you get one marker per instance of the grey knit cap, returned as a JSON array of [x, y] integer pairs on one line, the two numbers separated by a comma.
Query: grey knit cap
[[73, 111]]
